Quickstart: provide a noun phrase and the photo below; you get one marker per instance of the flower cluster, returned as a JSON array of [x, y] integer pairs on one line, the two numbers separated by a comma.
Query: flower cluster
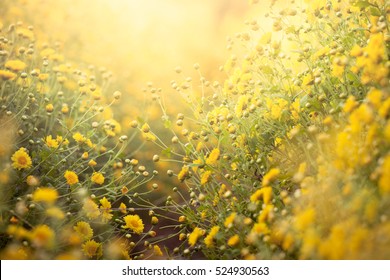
[[288, 157], [67, 174]]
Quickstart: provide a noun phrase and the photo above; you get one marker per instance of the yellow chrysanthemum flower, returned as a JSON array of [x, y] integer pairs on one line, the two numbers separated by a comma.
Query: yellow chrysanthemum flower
[[209, 239], [51, 143], [71, 177], [134, 223], [194, 236], [15, 65], [21, 159], [105, 209], [42, 236], [213, 157], [79, 138], [229, 220], [157, 251], [123, 208], [97, 178], [7, 75], [206, 177], [270, 176], [91, 248], [184, 172], [47, 195], [234, 240], [91, 209], [56, 213], [84, 230]]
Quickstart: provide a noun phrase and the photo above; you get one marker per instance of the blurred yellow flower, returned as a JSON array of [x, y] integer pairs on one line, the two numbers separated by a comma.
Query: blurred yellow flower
[[47, 195], [50, 142], [42, 236], [157, 251], [123, 208], [55, 212], [209, 239], [84, 230], [97, 178], [71, 177], [79, 138], [91, 209], [206, 177], [271, 175], [213, 157], [7, 75], [91, 248], [105, 209], [384, 180], [21, 160], [234, 240], [183, 174], [229, 220], [134, 223], [15, 65], [194, 236]]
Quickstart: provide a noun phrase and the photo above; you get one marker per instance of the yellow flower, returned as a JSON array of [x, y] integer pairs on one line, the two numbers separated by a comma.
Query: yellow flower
[[384, 180], [15, 65], [42, 236], [123, 208], [51, 143], [92, 163], [84, 155], [206, 177], [267, 194], [213, 157], [91, 209], [134, 223], [106, 209], [91, 248], [234, 240], [154, 220], [97, 178], [47, 195], [17, 232], [229, 220], [65, 109], [260, 228], [61, 140], [21, 160], [157, 251], [32, 181], [304, 219], [270, 176], [71, 177], [55, 212], [184, 172], [79, 138], [84, 230], [49, 108], [7, 75], [209, 239], [194, 236], [356, 51]]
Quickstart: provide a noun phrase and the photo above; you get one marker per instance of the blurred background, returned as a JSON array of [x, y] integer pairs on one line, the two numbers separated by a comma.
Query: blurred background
[[139, 41]]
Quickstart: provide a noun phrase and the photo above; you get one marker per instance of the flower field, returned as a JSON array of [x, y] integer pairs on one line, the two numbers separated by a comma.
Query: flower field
[[280, 153]]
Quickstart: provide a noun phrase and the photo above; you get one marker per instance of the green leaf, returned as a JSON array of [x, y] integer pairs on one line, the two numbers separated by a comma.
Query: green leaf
[[167, 152], [361, 4], [375, 12], [167, 123]]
